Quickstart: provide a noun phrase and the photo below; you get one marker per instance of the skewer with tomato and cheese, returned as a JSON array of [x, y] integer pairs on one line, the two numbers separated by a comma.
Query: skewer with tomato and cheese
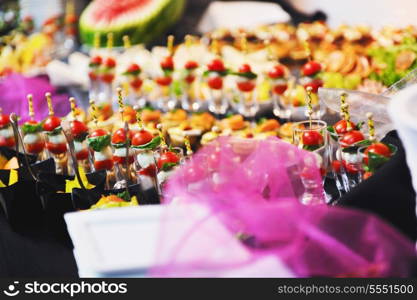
[[79, 133], [56, 142], [99, 141], [32, 132], [6, 131], [121, 138], [145, 143]]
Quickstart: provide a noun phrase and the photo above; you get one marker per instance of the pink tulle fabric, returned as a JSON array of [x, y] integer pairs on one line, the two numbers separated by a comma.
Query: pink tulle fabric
[[234, 210], [14, 89]]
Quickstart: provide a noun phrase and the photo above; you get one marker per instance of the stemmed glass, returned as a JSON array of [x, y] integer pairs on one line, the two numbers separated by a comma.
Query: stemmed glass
[[167, 160], [312, 135], [190, 99], [248, 104]]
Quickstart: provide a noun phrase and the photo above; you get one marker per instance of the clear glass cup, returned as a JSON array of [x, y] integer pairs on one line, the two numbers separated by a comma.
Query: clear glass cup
[[166, 98], [248, 105], [163, 174], [217, 100], [313, 136], [369, 165], [281, 104], [190, 100], [351, 162]]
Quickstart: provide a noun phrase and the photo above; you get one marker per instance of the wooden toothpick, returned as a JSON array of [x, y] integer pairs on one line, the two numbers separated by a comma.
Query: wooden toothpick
[[371, 126], [170, 44], [49, 101], [126, 42], [110, 40], [94, 112], [138, 117], [30, 104], [310, 105], [73, 107]]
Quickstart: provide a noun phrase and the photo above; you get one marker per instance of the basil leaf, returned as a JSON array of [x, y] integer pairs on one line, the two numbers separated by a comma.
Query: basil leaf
[[311, 147], [99, 142], [363, 143], [56, 131], [392, 148], [156, 141], [124, 195], [351, 149], [375, 161], [120, 145], [133, 73], [168, 72], [81, 137], [168, 166], [248, 75], [360, 125], [219, 73], [31, 128], [332, 131], [147, 107]]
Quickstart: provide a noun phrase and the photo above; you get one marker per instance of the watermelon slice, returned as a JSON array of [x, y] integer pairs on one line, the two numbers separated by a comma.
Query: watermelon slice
[[141, 20]]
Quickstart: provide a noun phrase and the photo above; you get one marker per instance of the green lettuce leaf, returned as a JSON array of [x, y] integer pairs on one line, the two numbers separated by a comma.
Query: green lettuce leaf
[[99, 142]]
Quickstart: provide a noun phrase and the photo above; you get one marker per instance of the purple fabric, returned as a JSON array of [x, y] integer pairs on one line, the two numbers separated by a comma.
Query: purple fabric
[[251, 189], [14, 89]]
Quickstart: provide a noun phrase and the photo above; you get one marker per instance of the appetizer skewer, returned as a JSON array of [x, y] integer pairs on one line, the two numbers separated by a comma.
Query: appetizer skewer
[[32, 131], [56, 143]]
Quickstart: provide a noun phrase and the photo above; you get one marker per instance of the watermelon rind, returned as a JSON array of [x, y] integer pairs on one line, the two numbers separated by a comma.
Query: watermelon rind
[[164, 14]]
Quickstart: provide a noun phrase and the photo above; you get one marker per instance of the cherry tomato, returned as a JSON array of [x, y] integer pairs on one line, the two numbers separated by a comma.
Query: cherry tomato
[[246, 86], [141, 137], [92, 75], [78, 128], [280, 89], [336, 166], [245, 68], [56, 148], [215, 83], [351, 138], [216, 65], [315, 84], [7, 142], [107, 78], [136, 83], [312, 138], [277, 71], [35, 148], [119, 136], [103, 164], [189, 78], [97, 60], [311, 68], [110, 62], [167, 63], [148, 171], [4, 120], [82, 155], [168, 157], [341, 126], [366, 175], [122, 159], [133, 68], [98, 132], [351, 168], [377, 148], [191, 65], [71, 19], [164, 81], [51, 123]]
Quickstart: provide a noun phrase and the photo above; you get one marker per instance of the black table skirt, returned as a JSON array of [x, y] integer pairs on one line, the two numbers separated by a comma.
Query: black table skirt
[[33, 255]]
